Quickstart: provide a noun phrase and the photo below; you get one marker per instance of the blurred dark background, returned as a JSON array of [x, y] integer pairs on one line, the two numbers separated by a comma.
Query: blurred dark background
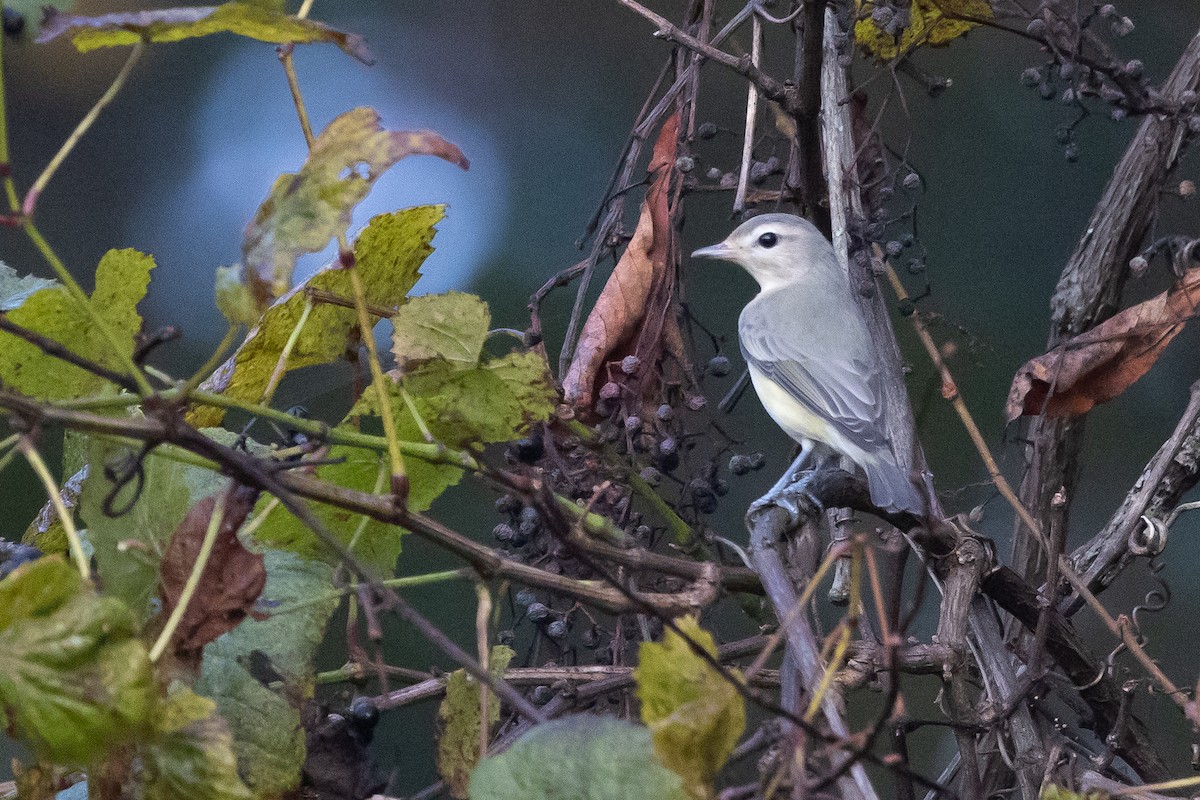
[[540, 95]]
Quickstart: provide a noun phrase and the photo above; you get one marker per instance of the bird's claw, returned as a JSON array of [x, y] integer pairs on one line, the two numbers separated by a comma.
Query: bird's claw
[[795, 499]]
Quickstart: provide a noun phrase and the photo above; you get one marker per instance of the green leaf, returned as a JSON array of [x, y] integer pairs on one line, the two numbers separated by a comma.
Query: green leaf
[[378, 545], [191, 756], [495, 402], [121, 280], [694, 713], [931, 22], [451, 326], [306, 209], [459, 722], [487, 404], [577, 758], [388, 257], [265, 720], [73, 680], [129, 547], [252, 20]]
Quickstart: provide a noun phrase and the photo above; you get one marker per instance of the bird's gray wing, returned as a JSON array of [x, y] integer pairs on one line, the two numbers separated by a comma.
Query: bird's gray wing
[[837, 382]]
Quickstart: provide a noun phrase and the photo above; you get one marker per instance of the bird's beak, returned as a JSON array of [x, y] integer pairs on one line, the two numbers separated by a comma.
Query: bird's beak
[[718, 250]]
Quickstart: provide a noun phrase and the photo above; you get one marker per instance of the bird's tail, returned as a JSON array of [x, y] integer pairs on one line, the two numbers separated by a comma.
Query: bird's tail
[[891, 488]]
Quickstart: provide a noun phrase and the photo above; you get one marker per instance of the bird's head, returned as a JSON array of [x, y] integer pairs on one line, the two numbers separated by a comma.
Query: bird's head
[[776, 249]]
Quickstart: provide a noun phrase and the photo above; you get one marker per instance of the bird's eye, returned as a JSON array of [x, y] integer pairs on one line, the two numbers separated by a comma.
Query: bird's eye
[[768, 240]]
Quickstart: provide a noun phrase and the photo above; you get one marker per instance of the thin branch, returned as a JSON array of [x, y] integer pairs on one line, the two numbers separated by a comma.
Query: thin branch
[[744, 66], [53, 348], [39, 185]]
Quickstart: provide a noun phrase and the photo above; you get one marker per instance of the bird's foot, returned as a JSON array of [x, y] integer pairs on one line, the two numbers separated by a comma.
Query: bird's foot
[[794, 498]]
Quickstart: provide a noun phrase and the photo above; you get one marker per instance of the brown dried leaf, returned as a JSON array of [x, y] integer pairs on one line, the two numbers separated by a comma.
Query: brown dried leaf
[[625, 302], [232, 579], [1099, 364]]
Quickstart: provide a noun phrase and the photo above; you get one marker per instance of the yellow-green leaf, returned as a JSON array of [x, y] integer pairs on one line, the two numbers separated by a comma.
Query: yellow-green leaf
[[234, 298], [121, 280], [191, 755], [252, 20], [306, 209], [388, 257], [74, 682], [450, 326], [459, 722], [694, 714], [932, 22], [375, 543], [1052, 792]]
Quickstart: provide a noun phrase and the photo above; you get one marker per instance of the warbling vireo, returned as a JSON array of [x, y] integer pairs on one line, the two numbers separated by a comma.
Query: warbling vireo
[[810, 355]]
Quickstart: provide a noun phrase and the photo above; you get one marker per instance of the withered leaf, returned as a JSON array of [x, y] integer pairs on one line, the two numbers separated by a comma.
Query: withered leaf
[[232, 579], [625, 303], [1096, 366], [306, 209], [251, 20]]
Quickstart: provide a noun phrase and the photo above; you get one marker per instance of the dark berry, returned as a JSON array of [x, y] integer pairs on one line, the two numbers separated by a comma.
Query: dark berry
[[665, 413], [530, 449], [630, 364], [739, 464], [526, 598], [503, 532], [719, 366], [696, 402], [757, 460], [557, 629], [363, 713], [651, 476], [14, 21], [539, 612], [524, 532], [707, 130], [610, 391], [591, 637]]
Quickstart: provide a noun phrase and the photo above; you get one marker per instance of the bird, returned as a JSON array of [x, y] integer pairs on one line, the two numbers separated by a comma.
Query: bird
[[812, 360]]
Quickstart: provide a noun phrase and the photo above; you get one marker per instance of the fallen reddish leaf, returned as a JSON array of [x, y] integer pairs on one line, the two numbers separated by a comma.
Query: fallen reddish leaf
[[1099, 364], [231, 581], [638, 291]]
